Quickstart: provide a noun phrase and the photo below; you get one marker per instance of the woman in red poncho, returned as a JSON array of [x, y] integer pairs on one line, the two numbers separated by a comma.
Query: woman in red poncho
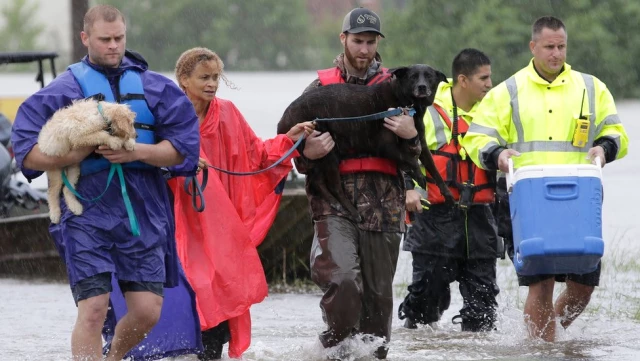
[[217, 247]]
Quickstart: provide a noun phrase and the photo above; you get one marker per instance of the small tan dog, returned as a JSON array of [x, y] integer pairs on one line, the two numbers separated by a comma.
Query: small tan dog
[[78, 125]]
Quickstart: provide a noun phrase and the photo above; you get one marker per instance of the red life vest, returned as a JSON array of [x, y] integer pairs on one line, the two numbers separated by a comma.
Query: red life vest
[[334, 76], [367, 164], [455, 171]]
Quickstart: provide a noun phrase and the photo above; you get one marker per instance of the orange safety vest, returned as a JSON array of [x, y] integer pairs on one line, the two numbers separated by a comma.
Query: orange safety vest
[[366, 164], [334, 76], [456, 171]]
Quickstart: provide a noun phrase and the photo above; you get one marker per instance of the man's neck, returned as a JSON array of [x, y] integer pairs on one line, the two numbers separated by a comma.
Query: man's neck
[[546, 76], [462, 100]]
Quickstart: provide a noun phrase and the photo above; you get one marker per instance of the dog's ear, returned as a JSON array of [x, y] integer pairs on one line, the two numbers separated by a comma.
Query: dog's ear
[[122, 119], [399, 72], [441, 77]]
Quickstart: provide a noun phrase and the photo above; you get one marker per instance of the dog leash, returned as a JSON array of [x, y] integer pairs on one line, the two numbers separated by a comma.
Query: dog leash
[[374, 116], [198, 189], [115, 167], [195, 189]]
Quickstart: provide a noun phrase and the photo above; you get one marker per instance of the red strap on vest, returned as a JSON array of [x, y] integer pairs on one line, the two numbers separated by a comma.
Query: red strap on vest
[[330, 76], [371, 164], [334, 76], [462, 126], [357, 165]]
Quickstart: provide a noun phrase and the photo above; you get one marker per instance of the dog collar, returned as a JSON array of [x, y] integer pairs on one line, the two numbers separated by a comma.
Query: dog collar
[[106, 120]]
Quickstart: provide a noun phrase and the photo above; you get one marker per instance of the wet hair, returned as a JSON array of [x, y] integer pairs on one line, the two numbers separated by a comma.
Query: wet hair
[[101, 12], [467, 63], [188, 61], [548, 22]]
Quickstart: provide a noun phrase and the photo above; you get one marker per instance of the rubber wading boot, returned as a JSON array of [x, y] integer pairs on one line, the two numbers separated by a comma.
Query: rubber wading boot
[[471, 325], [213, 340]]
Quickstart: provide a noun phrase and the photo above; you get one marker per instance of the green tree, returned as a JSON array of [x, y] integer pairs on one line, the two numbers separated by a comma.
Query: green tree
[[248, 35], [20, 31], [602, 36]]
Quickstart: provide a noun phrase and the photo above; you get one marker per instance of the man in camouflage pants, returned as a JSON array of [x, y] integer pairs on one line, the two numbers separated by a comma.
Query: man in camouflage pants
[[354, 262]]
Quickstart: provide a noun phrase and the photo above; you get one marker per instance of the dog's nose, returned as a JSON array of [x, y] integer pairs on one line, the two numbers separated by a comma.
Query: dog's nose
[[422, 88]]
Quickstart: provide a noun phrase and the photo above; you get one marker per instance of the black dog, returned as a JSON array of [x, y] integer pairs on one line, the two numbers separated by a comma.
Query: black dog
[[413, 86]]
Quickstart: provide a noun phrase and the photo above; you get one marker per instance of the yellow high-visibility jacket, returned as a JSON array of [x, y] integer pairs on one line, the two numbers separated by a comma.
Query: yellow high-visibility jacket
[[538, 119], [436, 131]]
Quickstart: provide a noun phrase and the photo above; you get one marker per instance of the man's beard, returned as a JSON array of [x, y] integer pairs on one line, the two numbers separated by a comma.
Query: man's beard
[[357, 65]]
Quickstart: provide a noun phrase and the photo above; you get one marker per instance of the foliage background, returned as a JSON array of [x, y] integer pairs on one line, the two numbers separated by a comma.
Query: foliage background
[[275, 35]]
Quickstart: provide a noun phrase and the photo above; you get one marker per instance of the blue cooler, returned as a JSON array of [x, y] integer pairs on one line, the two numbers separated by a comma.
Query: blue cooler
[[556, 211]]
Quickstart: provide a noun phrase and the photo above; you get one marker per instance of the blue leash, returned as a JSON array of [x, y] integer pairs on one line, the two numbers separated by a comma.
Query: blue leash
[[191, 182], [197, 196], [198, 189], [374, 116], [115, 167]]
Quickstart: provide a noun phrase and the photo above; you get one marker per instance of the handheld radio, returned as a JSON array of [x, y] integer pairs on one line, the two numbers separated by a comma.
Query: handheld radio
[[581, 132]]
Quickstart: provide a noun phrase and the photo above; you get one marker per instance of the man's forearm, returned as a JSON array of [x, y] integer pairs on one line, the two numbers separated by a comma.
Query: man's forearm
[[162, 154], [36, 160]]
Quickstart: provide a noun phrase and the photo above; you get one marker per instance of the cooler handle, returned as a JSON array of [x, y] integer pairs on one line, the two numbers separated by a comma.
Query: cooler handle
[[510, 175], [599, 165], [549, 186]]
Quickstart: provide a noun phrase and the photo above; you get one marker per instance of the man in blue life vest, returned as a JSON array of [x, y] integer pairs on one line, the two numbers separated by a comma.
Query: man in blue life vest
[[533, 118], [460, 244], [354, 263], [100, 244]]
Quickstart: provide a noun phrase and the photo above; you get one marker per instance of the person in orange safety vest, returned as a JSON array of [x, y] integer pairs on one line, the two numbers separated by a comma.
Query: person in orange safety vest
[[460, 244]]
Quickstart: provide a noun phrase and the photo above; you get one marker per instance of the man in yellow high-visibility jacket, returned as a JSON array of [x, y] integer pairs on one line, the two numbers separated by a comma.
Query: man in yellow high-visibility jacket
[[532, 117]]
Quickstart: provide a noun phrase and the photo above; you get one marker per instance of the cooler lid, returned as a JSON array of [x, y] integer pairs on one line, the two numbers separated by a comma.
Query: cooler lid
[[557, 170]]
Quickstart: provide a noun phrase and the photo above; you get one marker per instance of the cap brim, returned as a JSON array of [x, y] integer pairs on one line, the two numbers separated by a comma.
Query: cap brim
[[364, 30]]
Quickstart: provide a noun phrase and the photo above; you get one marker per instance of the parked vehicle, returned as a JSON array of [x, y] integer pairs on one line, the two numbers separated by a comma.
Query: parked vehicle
[[25, 244]]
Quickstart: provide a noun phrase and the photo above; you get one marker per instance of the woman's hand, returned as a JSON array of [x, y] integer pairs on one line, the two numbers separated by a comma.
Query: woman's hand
[[305, 128], [202, 163]]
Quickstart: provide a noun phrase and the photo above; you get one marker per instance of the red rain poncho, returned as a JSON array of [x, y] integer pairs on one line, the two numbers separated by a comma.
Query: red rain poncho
[[217, 247]]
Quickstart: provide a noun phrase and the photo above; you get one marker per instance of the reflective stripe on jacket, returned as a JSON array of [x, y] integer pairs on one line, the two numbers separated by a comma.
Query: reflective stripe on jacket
[[538, 119]]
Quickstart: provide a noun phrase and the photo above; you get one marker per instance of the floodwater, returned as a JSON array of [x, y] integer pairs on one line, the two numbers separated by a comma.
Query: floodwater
[[36, 318]]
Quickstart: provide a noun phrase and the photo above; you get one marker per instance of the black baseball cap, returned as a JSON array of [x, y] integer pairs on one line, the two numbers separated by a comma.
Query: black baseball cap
[[360, 20]]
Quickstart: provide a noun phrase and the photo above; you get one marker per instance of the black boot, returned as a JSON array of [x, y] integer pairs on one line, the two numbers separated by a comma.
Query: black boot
[[473, 325], [381, 353], [213, 340]]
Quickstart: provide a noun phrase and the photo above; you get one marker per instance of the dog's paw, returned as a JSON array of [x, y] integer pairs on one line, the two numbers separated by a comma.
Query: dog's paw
[[54, 216], [130, 144], [115, 143], [75, 208]]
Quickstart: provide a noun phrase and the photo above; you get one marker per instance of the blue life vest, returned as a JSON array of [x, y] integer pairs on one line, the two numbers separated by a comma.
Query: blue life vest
[[95, 84]]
